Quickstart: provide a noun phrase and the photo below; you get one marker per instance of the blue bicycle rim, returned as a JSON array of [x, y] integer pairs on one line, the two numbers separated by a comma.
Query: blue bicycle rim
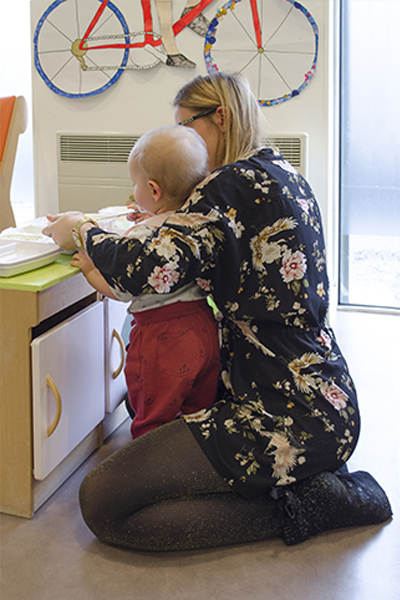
[[43, 75]]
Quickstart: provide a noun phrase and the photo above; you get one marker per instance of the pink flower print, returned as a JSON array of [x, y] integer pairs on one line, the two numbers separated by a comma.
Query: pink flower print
[[303, 203], [325, 339], [162, 279], [334, 395], [294, 265], [204, 284]]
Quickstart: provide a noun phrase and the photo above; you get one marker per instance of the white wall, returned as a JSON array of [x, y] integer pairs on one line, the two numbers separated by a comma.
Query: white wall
[[141, 100]]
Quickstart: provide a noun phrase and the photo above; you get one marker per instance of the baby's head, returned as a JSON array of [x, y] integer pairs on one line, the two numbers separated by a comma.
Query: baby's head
[[173, 156]]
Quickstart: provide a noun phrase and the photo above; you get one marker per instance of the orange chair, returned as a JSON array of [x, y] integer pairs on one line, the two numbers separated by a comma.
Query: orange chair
[[13, 121]]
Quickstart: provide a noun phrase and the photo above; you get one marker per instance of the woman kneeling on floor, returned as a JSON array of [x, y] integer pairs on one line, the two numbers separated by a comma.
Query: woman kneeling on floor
[[267, 457]]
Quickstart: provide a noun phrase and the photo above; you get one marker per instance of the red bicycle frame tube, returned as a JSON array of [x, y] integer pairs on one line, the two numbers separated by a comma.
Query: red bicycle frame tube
[[148, 25], [256, 21], [190, 16], [93, 23]]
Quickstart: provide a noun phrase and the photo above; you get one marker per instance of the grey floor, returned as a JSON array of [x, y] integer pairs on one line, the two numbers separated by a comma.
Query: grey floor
[[55, 557]]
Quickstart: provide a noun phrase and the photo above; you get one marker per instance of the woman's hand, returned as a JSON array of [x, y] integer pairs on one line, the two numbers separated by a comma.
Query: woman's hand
[[60, 228]]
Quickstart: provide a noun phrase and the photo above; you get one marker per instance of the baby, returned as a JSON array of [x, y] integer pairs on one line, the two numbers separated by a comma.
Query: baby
[[172, 363]]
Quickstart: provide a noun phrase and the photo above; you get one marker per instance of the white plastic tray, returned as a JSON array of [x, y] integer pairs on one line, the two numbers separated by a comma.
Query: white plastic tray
[[21, 256]]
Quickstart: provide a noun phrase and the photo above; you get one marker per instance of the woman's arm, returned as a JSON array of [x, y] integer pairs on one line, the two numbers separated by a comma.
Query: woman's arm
[[60, 228], [177, 253]]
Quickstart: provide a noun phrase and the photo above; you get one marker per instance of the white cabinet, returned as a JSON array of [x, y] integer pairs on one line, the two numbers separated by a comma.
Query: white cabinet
[[53, 328], [67, 386], [114, 316]]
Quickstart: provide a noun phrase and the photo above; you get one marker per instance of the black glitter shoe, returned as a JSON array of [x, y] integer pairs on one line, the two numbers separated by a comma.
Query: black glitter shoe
[[343, 470], [329, 501]]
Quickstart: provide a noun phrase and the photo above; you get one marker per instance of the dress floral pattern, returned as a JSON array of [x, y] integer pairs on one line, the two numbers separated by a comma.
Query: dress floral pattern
[[251, 236]]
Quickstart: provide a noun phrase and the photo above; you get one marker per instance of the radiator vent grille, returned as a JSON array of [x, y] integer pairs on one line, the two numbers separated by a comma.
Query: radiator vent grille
[[289, 147], [96, 148], [116, 148]]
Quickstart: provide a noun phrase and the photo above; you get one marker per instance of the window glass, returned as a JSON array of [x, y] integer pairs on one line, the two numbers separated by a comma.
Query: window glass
[[370, 153]]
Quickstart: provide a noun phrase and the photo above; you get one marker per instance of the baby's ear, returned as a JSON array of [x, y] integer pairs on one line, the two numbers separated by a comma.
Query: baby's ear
[[155, 190]]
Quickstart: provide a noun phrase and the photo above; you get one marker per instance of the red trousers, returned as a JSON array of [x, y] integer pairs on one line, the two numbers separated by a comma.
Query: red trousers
[[172, 364]]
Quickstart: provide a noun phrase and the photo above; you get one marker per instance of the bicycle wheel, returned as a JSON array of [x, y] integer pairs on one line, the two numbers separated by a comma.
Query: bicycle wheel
[[282, 65], [68, 71]]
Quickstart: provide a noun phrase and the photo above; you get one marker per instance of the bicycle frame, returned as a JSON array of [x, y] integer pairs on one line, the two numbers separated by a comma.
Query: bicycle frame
[[248, 19], [148, 26], [256, 22]]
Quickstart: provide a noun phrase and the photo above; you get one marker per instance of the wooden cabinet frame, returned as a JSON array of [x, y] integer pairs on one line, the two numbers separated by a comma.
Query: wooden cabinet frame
[[20, 311]]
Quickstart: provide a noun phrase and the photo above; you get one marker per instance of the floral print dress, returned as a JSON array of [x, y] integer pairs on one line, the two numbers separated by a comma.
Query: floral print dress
[[251, 236]]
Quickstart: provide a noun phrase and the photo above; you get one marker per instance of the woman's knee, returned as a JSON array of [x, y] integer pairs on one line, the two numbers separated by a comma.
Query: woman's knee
[[87, 499], [95, 501]]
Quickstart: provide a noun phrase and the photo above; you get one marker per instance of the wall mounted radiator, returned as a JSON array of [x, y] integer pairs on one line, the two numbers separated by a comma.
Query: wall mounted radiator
[[93, 174]]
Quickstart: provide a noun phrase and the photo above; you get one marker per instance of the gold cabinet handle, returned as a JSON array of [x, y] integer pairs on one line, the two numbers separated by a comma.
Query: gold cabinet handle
[[50, 383], [120, 341]]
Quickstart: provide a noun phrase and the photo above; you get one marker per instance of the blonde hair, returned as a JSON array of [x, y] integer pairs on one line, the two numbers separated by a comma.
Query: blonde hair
[[244, 135], [173, 156]]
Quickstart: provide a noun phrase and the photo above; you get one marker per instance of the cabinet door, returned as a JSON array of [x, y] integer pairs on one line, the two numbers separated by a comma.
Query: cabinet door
[[67, 386], [116, 340]]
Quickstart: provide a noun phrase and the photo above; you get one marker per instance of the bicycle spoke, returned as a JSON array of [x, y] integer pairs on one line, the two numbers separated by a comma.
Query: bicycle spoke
[[59, 31], [101, 25], [244, 29], [243, 52], [278, 28], [78, 28], [277, 71], [246, 66], [293, 52], [98, 68], [249, 62], [61, 68], [46, 52], [259, 78]]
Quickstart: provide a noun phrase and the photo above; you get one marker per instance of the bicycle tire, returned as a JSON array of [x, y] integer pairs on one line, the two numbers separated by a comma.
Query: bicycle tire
[[84, 84], [219, 56]]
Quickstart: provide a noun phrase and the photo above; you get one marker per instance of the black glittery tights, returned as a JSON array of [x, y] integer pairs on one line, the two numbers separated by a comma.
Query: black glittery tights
[[161, 493]]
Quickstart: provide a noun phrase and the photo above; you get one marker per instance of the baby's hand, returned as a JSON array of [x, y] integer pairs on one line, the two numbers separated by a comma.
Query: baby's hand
[[137, 215], [82, 260]]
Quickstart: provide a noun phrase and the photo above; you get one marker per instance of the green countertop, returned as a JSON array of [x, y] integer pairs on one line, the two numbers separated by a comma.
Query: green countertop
[[41, 279]]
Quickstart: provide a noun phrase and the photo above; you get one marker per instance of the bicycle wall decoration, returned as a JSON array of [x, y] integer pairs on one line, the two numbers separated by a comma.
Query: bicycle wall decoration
[[82, 48]]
